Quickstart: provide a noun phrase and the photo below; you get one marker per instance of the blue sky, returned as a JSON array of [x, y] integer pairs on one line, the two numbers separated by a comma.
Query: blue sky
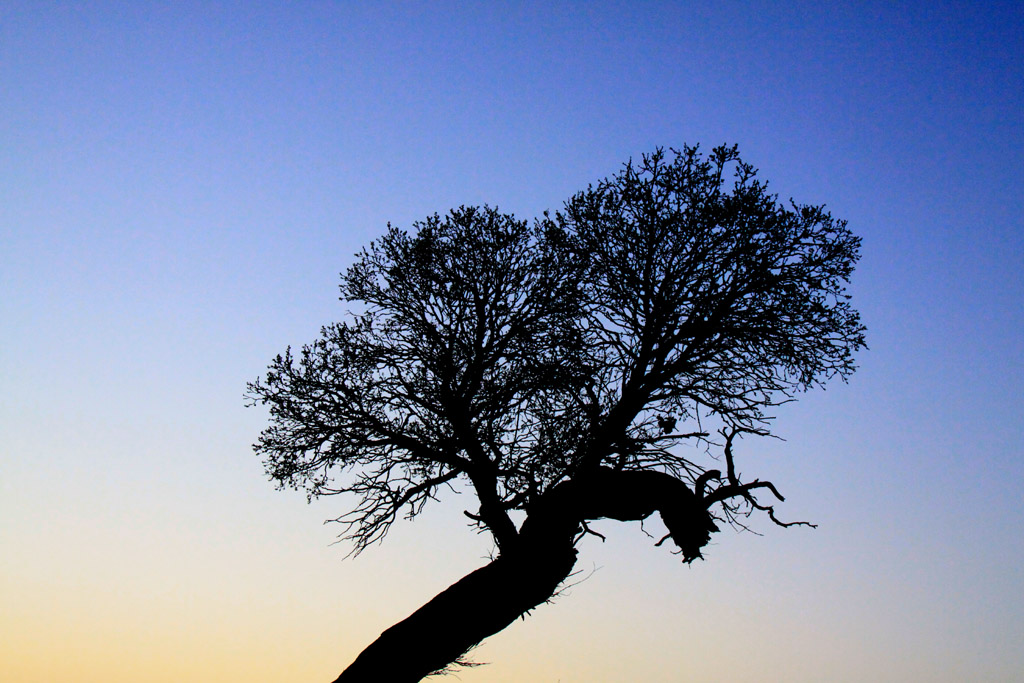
[[181, 183]]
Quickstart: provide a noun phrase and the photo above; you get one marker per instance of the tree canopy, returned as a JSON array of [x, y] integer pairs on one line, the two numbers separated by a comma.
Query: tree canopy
[[575, 352]]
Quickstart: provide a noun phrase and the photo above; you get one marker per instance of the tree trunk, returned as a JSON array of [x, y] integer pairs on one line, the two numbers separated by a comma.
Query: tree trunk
[[479, 605], [526, 575]]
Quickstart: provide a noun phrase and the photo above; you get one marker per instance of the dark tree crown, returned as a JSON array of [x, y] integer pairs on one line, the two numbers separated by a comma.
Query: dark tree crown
[[516, 356]]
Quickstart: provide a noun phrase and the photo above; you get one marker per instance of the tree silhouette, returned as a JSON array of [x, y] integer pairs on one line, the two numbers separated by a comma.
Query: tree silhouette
[[595, 364]]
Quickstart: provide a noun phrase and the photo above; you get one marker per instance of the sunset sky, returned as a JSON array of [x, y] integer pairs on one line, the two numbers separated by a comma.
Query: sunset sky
[[181, 184]]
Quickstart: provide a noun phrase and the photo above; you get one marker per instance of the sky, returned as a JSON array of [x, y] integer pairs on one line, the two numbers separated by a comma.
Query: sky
[[181, 184]]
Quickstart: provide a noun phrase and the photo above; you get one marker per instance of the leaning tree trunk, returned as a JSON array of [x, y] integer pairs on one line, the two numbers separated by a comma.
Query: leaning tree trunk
[[479, 605], [487, 600]]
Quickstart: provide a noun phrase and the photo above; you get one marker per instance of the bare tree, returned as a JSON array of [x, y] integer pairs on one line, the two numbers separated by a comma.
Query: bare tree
[[571, 369]]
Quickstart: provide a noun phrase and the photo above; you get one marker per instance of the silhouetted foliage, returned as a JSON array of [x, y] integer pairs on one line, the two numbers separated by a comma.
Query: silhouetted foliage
[[558, 367]]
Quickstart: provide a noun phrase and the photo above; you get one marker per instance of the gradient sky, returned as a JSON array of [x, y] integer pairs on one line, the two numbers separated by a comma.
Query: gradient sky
[[181, 183]]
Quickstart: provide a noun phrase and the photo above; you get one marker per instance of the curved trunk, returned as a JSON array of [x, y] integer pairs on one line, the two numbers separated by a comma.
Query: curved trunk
[[526, 575], [479, 605]]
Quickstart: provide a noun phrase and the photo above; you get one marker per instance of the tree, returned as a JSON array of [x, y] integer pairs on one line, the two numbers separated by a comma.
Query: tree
[[569, 370]]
